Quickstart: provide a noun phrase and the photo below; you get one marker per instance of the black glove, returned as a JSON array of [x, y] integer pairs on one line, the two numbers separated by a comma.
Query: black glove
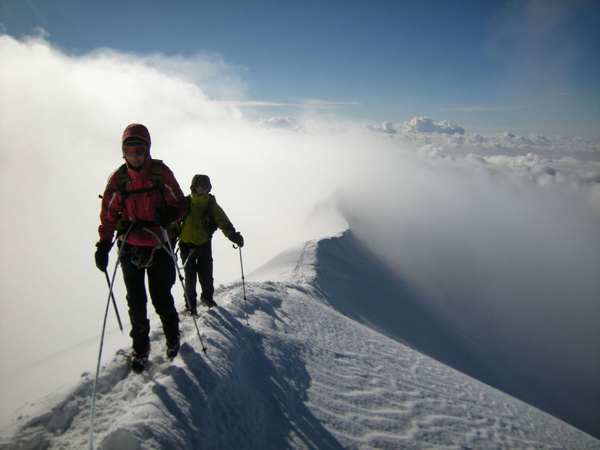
[[101, 255], [122, 226], [166, 214], [237, 239]]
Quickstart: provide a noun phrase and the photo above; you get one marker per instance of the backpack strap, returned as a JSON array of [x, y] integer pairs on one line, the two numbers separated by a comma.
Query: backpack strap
[[211, 222], [122, 179], [156, 173]]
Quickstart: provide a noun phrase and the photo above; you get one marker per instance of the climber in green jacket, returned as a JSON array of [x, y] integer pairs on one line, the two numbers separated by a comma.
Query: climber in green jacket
[[202, 219]]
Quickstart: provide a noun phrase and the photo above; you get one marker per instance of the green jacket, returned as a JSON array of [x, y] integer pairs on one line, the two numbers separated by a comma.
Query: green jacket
[[203, 218]]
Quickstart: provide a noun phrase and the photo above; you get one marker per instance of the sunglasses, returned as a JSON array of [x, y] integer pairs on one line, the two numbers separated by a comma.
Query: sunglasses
[[135, 151]]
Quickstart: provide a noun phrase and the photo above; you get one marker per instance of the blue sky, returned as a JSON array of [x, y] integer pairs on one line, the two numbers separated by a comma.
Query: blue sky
[[525, 66]]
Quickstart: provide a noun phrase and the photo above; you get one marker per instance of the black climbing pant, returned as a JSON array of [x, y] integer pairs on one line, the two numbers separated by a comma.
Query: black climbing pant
[[158, 264], [198, 264]]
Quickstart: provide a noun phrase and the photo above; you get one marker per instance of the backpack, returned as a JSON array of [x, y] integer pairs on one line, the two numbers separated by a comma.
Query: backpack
[[155, 175], [209, 220]]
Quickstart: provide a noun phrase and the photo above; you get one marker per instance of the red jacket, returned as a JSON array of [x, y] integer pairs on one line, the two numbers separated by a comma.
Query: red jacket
[[139, 206]]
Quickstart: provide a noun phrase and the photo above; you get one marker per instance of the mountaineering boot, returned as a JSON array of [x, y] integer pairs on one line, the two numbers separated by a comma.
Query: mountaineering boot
[[173, 348], [138, 361], [192, 311], [208, 302]]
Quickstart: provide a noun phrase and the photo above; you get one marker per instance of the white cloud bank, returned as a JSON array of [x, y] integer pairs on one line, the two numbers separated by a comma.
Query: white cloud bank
[[279, 123], [482, 223], [426, 125], [418, 125], [62, 117]]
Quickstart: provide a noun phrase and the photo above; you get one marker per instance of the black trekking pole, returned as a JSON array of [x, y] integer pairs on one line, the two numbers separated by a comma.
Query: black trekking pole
[[93, 410], [111, 283], [114, 302], [172, 253], [243, 284]]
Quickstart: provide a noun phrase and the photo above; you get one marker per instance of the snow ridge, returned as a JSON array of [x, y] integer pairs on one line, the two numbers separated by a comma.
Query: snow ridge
[[302, 375]]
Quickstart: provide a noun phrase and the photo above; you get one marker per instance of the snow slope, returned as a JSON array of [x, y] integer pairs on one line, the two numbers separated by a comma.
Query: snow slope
[[303, 374]]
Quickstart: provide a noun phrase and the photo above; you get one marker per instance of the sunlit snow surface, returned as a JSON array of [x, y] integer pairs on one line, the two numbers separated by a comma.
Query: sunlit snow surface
[[301, 375]]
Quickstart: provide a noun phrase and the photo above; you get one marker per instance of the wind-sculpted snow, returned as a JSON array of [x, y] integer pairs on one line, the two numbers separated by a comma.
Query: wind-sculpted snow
[[303, 374]]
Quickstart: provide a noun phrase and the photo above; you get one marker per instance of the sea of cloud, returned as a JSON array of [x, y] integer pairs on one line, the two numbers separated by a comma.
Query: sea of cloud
[[500, 230], [501, 235]]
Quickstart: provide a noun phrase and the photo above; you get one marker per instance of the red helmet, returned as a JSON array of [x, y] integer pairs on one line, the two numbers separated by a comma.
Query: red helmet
[[136, 132]]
